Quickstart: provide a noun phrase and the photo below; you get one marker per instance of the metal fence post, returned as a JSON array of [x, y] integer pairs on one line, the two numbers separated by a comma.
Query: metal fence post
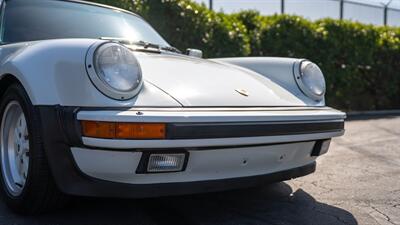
[[282, 6], [211, 5], [341, 7], [385, 12]]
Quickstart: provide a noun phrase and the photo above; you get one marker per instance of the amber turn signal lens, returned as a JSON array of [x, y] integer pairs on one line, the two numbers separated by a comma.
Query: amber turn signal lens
[[123, 130], [98, 129], [140, 131]]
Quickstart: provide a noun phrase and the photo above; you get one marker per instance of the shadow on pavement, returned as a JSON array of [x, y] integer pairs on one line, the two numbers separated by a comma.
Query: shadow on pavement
[[270, 204]]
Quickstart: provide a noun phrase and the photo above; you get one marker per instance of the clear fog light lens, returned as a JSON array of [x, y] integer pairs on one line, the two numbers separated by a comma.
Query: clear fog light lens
[[166, 162]]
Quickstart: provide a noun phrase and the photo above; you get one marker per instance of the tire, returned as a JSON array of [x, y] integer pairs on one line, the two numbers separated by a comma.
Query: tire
[[27, 185]]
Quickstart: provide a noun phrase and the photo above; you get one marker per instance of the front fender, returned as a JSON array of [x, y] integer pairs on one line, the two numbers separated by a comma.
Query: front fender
[[53, 72], [279, 70]]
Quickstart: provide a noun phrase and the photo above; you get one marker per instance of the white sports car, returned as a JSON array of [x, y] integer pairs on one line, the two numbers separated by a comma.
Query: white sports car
[[94, 102]]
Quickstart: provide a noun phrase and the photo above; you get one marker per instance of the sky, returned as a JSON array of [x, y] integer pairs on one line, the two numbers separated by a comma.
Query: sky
[[316, 9]]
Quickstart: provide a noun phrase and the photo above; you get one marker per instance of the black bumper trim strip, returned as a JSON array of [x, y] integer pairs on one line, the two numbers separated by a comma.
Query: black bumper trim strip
[[232, 130]]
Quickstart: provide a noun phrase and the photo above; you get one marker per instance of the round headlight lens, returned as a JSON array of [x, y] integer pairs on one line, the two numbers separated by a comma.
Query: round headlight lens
[[311, 80], [117, 67]]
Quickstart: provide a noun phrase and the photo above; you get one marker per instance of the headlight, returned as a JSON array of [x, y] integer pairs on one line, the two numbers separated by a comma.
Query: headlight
[[311, 80], [114, 70]]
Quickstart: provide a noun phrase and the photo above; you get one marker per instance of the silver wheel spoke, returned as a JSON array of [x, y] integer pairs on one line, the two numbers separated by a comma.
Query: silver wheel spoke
[[14, 148], [16, 132], [23, 128], [24, 148]]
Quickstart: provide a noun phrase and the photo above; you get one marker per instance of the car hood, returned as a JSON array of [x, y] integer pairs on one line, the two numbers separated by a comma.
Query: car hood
[[197, 82]]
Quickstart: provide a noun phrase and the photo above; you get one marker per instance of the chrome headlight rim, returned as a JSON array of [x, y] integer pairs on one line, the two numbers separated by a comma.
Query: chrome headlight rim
[[100, 84], [298, 76]]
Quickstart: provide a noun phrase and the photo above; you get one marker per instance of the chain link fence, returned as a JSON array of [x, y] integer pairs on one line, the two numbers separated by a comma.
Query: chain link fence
[[365, 12]]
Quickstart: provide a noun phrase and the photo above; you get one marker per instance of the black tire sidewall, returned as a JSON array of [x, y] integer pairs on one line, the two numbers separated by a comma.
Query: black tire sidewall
[[17, 93]]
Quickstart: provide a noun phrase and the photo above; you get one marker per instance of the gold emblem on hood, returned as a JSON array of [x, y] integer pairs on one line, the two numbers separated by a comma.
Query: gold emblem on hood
[[242, 92]]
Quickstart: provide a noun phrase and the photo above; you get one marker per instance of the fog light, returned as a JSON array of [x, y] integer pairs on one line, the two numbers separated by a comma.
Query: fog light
[[166, 162]]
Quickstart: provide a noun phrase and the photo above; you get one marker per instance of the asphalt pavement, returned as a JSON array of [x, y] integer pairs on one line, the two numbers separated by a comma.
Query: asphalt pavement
[[357, 182]]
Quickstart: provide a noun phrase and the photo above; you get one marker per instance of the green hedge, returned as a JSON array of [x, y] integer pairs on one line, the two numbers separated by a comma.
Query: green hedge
[[361, 62]]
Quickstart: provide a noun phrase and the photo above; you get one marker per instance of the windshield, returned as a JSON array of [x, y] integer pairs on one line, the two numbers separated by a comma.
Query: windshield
[[27, 20]]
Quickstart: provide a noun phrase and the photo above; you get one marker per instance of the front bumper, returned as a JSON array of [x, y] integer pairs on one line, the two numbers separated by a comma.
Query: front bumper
[[277, 141]]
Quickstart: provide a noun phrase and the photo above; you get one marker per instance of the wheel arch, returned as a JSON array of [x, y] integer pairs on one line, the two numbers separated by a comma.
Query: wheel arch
[[6, 81], [40, 192]]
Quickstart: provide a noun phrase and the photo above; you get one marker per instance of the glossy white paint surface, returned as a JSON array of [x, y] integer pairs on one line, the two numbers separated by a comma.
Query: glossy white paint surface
[[214, 115], [278, 70], [199, 82], [202, 165], [54, 73]]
